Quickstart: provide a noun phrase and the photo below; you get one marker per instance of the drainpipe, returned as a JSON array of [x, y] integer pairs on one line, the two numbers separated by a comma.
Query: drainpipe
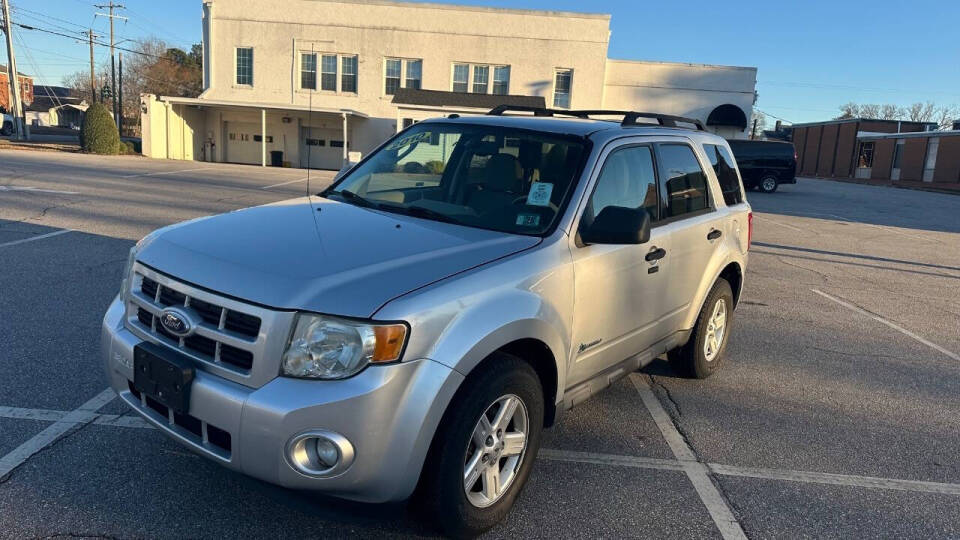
[[345, 155], [263, 137]]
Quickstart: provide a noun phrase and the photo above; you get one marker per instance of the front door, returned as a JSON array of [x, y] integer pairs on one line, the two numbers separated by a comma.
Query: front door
[[619, 290]]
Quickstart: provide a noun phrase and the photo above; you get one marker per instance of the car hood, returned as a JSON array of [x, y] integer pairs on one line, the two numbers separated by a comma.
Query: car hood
[[321, 255]]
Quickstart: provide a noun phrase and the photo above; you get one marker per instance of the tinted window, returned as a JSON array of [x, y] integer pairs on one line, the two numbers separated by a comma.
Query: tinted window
[[685, 184], [628, 180], [723, 166]]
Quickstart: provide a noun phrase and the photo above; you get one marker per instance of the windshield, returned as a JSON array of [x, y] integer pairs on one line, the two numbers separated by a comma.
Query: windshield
[[489, 177]]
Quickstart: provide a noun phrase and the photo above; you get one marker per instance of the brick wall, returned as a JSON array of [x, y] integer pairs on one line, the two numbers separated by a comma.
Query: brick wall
[[26, 90], [948, 160], [882, 158], [914, 153]]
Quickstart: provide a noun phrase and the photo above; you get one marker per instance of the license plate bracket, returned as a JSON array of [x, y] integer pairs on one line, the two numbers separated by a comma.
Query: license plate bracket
[[164, 375]]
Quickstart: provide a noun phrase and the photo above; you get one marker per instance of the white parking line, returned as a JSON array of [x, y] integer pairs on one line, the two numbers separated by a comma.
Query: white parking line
[[167, 172], [719, 510], [893, 325], [79, 416], [849, 480], [552, 454], [38, 237], [37, 190], [765, 218], [285, 183]]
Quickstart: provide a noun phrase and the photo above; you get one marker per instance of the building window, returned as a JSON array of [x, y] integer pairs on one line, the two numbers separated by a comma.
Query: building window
[[561, 88], [407, 122], [501, 80], [481, 75], [336, 144], [402, 73], [394, 69], [461, 77], [245, 66], [348, 78], [931, 162], [308, 71], [865, 155], [414, 74], [328, 72], [897, 158]]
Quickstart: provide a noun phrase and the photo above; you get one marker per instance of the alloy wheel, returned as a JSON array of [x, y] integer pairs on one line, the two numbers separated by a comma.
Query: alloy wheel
[[495, 451], [716, 328]]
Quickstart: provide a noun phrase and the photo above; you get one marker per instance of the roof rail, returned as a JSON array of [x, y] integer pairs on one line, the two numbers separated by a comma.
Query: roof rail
[[629, 117]]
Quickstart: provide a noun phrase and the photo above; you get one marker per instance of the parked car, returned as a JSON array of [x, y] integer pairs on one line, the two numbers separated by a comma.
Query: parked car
[[765, 165], [419, 325]]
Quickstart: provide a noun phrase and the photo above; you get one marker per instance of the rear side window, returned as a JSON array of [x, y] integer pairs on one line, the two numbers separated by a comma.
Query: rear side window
[[685, 184], [723, 166]]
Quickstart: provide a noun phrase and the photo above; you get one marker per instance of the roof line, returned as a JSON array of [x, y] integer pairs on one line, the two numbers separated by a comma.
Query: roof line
[[458, 7], [272, 106], [692, 64]]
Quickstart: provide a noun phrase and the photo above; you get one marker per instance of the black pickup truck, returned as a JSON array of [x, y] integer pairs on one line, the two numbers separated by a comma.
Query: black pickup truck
[[764, 165]]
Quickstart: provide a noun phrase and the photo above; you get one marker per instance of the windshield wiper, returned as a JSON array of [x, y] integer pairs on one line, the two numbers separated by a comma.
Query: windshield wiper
[[353, 198], [421, 212]]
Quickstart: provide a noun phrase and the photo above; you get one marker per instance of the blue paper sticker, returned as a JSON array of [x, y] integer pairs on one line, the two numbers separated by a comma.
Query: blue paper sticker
[[540, 194]]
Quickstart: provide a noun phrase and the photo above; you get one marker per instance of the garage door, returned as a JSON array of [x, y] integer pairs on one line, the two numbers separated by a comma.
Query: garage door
[[244, 143], [324, 147]]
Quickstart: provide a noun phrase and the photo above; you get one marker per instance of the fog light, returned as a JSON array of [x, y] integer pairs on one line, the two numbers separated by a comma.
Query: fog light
[[319, 453], [327, 452]]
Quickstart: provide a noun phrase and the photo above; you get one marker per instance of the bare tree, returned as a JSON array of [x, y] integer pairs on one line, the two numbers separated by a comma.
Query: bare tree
[[921, 112], [889, 111], [758, 123], [944, 116]]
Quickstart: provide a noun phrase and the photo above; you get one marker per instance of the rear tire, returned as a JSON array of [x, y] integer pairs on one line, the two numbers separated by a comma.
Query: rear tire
[[768, 184], [703, 353], [461, 440]]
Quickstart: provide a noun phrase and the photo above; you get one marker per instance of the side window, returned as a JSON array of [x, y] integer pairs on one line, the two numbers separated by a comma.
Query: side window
[[684, 183], [724, 167], [628, 179]]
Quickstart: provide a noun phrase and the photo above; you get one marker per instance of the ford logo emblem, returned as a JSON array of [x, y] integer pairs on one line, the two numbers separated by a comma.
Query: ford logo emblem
[[177, 321]]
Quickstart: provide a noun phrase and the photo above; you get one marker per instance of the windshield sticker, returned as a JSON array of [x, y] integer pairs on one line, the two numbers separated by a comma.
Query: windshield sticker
[[407, 141], [528, 220], [539, 194]]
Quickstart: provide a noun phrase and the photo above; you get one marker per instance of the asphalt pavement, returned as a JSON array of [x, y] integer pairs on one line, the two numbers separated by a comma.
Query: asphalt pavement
[[836, 415]]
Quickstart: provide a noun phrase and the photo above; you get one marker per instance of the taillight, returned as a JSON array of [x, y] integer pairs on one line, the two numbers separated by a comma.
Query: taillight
[[749, 229]]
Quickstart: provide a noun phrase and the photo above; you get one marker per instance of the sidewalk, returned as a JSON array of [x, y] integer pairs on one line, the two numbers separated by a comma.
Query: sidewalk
[[937, 187]]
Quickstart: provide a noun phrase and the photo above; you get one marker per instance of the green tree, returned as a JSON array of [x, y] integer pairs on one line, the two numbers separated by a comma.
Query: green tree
[[98, 132]]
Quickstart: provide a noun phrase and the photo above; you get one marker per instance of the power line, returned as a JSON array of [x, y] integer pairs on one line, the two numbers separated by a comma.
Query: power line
[[95, 42]]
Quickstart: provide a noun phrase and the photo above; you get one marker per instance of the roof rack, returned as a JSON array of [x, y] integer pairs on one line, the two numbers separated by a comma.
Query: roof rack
[[629, 117]]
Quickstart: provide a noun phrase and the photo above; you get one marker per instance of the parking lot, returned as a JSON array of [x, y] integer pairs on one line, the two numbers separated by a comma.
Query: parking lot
[[836, 415]]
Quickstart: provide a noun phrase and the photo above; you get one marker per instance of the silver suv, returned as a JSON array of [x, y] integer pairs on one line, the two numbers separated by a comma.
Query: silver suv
[[417, 324]]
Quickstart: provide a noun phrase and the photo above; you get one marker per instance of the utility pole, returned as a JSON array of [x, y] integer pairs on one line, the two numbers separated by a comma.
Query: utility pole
[[93, 77], [113, 68], [16, 106], [120, 96]]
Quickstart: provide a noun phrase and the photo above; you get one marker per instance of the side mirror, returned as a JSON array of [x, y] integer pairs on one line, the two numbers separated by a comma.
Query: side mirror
[[618, 225]]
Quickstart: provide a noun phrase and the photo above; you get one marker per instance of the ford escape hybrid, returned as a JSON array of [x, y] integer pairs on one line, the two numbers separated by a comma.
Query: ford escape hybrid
[[414, 327]]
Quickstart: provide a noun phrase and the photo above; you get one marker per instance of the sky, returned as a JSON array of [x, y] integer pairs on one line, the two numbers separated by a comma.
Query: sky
[[812, 56]]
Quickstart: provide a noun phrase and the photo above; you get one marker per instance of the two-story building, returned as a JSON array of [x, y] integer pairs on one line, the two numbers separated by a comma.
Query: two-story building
[[285, 76]]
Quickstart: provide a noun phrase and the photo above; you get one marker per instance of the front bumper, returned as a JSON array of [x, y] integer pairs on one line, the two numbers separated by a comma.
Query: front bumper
[[388, 413]]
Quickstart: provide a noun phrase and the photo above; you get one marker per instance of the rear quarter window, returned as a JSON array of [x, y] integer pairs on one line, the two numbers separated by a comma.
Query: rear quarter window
[[684, 182], [726, 171]]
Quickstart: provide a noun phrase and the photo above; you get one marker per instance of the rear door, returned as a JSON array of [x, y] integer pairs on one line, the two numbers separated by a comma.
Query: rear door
[[694, 223]]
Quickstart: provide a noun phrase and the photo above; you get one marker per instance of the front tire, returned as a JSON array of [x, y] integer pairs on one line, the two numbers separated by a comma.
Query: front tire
[[768, 184], [484, 448], [703, 353]]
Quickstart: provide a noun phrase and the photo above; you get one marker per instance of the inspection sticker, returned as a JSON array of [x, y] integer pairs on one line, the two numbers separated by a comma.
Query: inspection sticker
[[539, 194], [528, 220]]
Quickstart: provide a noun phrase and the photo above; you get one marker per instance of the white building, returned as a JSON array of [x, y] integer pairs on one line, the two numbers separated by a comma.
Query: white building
[[284, 75]]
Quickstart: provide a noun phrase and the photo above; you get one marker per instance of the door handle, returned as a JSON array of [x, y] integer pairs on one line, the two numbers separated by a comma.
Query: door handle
[[714, 234], [655, 254]]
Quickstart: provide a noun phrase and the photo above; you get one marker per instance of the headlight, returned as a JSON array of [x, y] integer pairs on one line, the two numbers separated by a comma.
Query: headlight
[[324, 347], [124, 285]]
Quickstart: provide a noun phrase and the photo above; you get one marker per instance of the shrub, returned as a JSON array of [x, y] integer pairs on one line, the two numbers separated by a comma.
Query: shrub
[[435, 167], [127, 148], [98, 132]]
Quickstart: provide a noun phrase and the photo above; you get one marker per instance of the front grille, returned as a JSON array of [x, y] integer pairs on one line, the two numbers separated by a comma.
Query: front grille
[[194, 427], [226, 337]]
